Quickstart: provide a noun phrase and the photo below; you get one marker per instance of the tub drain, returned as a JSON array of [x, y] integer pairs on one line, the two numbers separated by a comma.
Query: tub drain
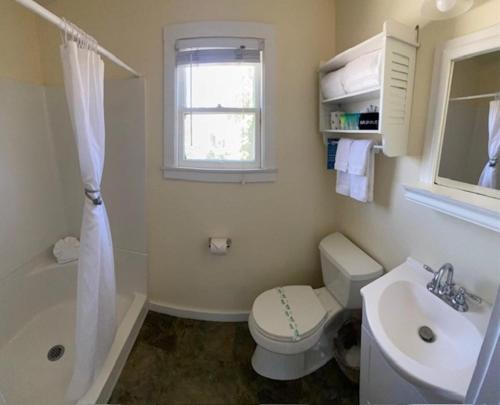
[[55, 352], [426, 334]]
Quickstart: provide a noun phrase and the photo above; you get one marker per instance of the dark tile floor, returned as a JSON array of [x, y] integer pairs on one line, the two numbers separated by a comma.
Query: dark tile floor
[[181, 361]]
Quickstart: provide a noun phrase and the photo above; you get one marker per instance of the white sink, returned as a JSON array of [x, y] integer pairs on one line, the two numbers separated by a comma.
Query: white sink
[[398, 304]]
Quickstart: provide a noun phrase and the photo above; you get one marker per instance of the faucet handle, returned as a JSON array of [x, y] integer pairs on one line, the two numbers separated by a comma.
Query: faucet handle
[[473, 297], [460, 302], [429, 269]]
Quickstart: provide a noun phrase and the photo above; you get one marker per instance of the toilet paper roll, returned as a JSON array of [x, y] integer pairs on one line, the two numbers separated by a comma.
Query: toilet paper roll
[[219, 246]]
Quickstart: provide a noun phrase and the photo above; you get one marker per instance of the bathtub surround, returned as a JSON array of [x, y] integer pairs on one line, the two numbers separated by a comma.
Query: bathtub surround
[[33, 216], [32, 211], [124, 175]]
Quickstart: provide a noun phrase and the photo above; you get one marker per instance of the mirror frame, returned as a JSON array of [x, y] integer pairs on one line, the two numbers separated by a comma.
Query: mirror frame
[[455, 198]]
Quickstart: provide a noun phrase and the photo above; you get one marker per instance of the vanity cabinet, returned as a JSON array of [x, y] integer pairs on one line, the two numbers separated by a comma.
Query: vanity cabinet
[[380, 383]]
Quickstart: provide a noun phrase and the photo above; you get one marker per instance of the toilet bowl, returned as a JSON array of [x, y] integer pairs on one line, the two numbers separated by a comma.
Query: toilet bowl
[[294, 326]]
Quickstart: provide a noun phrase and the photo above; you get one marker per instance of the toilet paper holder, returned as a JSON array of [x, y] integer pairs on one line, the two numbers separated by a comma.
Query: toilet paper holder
[[228, 242]]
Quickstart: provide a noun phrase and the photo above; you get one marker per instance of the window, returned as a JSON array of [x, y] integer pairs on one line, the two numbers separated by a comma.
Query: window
[[217, 121]]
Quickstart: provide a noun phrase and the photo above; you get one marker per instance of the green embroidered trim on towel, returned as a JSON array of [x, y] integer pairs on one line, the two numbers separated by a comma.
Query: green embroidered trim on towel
[[287, 310]]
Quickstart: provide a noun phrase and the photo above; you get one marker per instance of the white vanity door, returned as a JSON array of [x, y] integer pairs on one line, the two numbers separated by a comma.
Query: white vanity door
[[379, 382]]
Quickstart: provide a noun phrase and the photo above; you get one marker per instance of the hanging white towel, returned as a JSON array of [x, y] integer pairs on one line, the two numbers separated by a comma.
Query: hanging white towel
[[363, 73], [342, 155], [359, 155], [361, 170], [362, 185], [343, 185], [489, 176]]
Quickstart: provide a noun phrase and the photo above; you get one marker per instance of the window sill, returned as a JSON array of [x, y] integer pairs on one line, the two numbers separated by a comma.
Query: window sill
[[474, 208], [221, 175]]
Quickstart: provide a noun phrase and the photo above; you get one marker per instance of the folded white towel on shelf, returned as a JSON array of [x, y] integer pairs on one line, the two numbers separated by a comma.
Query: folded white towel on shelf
[[363, 73], [66, 250], [332, 84]]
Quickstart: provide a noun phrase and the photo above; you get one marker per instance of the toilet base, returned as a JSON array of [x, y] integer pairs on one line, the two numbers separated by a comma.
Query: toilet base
[[284, 367]]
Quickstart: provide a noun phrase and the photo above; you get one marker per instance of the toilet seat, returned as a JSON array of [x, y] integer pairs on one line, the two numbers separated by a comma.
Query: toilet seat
[[288, 314]]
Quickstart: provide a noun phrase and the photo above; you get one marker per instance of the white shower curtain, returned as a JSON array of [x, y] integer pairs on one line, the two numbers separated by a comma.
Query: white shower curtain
[[489, 176], [95, 318]]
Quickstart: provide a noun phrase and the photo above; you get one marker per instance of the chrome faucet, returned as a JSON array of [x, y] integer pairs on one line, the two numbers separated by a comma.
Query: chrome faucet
[[436, 286], [446, 291]]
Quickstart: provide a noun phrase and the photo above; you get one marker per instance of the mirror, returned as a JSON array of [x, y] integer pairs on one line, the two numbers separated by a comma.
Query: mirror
[[470, 150]]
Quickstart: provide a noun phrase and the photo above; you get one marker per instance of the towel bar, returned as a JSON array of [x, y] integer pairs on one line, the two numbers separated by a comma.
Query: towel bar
[[376, 147]]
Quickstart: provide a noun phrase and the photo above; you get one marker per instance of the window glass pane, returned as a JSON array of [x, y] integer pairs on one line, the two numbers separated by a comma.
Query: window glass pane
[[220, 137], [229, 85]]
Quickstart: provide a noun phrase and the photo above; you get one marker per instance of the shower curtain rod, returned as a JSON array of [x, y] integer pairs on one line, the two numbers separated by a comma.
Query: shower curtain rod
[[54, 19]]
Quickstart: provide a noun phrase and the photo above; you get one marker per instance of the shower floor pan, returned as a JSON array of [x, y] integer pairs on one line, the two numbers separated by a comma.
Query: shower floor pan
[[36, 356]]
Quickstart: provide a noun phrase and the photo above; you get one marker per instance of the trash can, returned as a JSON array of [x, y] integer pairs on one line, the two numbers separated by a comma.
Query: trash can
[[347, 345]]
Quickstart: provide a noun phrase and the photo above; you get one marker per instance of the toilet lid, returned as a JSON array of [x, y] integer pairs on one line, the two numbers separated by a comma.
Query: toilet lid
[[288, 313]]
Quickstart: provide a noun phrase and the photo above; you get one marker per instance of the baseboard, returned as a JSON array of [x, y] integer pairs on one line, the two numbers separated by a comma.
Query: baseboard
[[199, 314]]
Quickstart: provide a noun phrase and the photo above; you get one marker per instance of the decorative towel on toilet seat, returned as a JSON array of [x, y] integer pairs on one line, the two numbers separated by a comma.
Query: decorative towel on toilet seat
[[287, 310]]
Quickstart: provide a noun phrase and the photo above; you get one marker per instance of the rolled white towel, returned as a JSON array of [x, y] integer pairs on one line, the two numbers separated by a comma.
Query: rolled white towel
[[331, 84], [66, 250], [363, 73]]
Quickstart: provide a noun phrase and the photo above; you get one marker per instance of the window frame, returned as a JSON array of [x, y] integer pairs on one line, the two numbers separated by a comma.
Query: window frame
[[175, 166], [227, 164]]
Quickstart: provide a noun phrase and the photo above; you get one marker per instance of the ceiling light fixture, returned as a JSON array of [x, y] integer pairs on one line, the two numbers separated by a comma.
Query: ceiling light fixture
[[444, 9]]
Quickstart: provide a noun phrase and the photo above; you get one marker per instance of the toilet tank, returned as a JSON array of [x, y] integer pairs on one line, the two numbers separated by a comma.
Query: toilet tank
[[346, 269]]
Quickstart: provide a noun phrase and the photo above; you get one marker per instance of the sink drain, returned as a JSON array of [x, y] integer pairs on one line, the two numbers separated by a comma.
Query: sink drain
[[426, 334], [55, 352]]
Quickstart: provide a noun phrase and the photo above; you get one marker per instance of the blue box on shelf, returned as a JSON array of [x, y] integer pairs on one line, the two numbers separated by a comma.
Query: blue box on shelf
[[331, 152]]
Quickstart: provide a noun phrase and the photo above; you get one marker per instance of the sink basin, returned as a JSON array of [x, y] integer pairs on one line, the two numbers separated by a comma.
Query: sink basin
[[398, 304], [406, 306]]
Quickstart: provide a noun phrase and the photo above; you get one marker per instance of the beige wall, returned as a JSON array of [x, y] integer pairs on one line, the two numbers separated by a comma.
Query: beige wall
[[275, 227], [19, 46], [392, 228]]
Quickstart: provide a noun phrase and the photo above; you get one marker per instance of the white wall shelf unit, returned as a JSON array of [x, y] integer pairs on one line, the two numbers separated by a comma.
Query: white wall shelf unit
[[393, 98]]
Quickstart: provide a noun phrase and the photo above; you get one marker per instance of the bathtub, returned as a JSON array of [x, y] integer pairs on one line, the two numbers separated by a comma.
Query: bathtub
[[37, 313]]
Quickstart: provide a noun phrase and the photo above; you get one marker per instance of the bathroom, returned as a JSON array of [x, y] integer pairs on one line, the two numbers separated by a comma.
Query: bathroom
[[184, 301]]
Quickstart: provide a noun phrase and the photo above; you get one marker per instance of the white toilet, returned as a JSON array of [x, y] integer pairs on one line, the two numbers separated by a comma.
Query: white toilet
[[294, 326]]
